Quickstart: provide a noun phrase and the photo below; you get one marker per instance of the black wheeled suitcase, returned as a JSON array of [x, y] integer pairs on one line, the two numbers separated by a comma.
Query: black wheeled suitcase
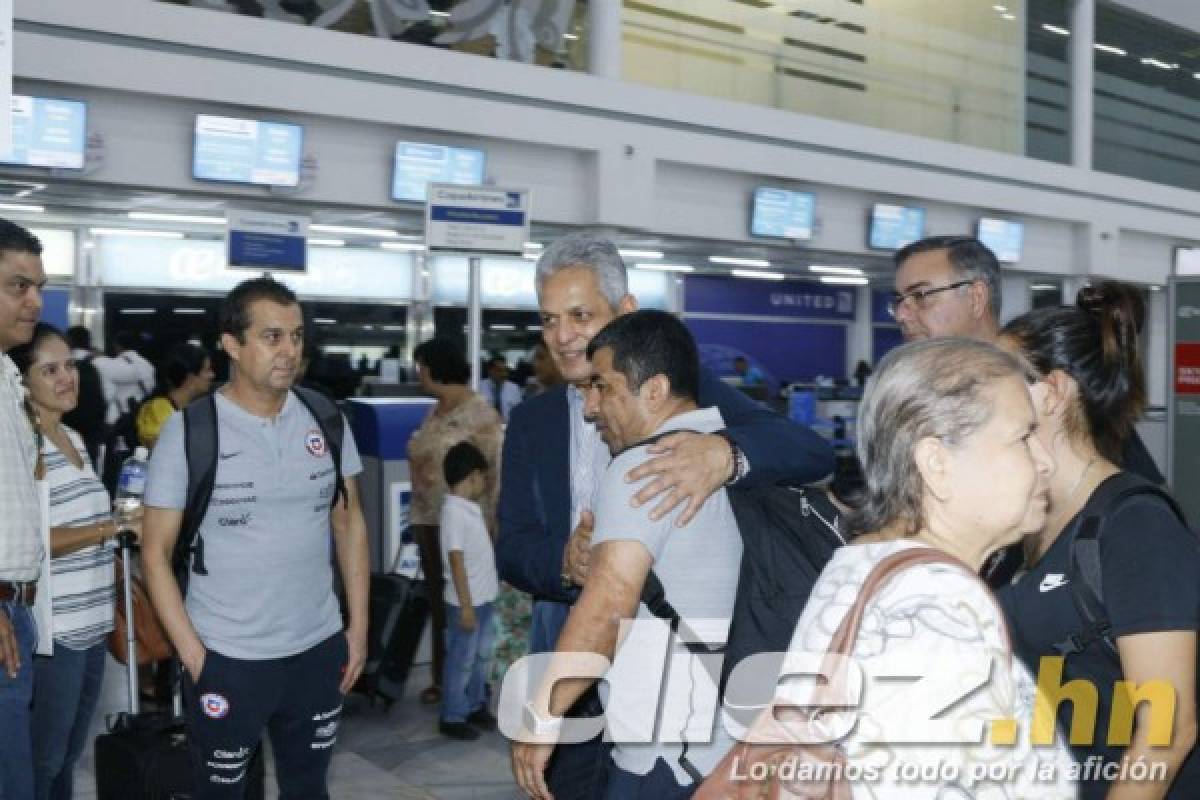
[[145, 755], [399, 608]]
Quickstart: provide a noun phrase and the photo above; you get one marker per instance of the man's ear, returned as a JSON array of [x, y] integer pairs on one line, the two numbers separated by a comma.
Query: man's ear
[[932, 460], [656, 390], [231, 346], [978, 292], [627, 305]]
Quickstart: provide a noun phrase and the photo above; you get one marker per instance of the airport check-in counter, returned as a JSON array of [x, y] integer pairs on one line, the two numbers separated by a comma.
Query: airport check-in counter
[[382, 427]]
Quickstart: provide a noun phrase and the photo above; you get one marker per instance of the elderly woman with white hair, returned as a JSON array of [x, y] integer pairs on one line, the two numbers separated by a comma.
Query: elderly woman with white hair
[[953, 473]]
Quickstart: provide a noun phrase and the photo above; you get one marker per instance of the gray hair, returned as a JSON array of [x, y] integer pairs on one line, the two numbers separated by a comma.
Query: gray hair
[[584, 249], [931, 388]]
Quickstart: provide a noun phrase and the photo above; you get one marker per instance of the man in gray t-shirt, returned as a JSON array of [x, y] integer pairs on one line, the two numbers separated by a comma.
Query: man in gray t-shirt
[[261, 633], [644, 382]]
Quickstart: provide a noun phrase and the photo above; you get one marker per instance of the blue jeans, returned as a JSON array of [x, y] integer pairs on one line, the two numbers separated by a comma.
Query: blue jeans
[[468, 653], [548, 620], [16, 694], [66, 690], [658, 784]]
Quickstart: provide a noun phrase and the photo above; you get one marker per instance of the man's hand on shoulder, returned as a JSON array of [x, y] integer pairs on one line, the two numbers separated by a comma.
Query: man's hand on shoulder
[[686, 467]]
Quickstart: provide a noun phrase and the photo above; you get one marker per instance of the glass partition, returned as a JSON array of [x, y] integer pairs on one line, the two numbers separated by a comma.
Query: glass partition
[[951, 71]]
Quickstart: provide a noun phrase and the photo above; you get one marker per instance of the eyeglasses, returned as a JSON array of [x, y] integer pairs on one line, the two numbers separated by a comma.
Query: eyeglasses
[[920, 297]]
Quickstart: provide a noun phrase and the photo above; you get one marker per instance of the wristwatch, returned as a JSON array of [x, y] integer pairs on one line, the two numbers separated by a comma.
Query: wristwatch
[[741, 465]]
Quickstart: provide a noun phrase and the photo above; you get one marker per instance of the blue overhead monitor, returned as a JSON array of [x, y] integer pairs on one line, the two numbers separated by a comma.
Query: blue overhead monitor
[[1004, 238], [247, 151], [418, 165], [782, 214], [893, 227], [47, 132]]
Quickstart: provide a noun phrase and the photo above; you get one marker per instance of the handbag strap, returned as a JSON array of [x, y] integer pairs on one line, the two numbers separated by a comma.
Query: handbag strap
[[844, 638]]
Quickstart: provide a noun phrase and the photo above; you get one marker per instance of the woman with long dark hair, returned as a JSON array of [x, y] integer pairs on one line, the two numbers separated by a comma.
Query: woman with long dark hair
[[1111, 590]]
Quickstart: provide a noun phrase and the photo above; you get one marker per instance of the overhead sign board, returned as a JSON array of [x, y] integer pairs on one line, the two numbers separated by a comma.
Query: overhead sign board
[[267, 241], [477, 219]]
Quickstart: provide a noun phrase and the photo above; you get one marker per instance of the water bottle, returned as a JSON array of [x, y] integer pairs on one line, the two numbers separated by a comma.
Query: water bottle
[[131, 485]]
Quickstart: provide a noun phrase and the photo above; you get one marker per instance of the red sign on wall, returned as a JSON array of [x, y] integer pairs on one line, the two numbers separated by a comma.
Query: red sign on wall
[[1187, 368]]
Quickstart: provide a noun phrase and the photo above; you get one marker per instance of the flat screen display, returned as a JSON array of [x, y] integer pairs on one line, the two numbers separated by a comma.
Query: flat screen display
[[782, 214], [893, 227], [418, 165], [1187, 260], [47, 132], [247, 151], [1004, 238]]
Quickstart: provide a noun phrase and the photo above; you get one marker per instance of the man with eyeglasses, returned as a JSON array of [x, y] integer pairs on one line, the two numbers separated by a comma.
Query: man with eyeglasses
[[947, 286], [950, 286]]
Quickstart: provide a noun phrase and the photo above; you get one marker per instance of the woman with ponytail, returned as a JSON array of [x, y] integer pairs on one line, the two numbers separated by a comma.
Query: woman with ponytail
[[1111, 590]]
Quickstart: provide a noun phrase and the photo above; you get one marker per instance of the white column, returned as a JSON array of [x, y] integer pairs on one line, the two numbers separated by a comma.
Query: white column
[[1082, 58], [604, 38], [859, 339]]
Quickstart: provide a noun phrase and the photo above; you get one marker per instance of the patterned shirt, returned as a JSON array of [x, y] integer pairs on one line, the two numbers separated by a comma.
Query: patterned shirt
[[20, 507], [936, 622], [589, 457], [83, 581], [474, 420]]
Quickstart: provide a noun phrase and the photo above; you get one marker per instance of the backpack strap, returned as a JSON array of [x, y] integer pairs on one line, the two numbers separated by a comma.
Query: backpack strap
[[1086, 570], [332, 424], [200, 443]]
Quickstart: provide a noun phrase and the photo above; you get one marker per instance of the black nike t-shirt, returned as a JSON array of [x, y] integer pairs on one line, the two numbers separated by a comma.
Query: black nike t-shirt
[[1151, 582]]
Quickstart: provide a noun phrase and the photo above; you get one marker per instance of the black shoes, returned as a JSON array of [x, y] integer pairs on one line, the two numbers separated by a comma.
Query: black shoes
[[457, 730], [482, 719]]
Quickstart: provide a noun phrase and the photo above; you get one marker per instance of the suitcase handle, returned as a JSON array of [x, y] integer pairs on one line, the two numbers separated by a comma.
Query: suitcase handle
[[127, 543]]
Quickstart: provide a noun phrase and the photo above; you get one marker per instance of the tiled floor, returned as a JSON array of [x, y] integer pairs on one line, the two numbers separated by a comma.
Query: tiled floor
[[397, 754]]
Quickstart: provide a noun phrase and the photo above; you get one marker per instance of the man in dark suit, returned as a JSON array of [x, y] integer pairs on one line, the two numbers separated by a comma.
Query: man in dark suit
[[554, 458]]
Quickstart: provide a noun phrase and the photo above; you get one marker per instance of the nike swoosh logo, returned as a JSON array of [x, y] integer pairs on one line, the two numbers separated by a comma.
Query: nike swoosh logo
[[225, 456], [1052, 582]]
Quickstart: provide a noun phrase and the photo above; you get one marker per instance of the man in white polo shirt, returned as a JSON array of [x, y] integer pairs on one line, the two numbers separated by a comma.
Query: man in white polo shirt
[[261, 636], [21, 282]]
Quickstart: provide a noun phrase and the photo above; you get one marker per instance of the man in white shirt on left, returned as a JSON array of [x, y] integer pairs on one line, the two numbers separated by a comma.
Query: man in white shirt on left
[[21, 281]]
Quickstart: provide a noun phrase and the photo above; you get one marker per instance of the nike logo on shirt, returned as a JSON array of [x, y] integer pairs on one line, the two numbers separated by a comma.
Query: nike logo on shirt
[[1052, 581], [225, 456]]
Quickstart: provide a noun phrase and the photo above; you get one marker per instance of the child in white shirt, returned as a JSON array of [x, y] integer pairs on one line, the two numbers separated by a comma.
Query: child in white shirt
[[469, 564]]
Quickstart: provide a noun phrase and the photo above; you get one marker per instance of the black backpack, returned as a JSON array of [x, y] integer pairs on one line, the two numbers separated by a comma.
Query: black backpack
[[202, 445], [788, 536], [1086, 571]]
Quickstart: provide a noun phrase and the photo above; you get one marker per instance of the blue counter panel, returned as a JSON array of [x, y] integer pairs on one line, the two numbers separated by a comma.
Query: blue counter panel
[[383, 425]]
